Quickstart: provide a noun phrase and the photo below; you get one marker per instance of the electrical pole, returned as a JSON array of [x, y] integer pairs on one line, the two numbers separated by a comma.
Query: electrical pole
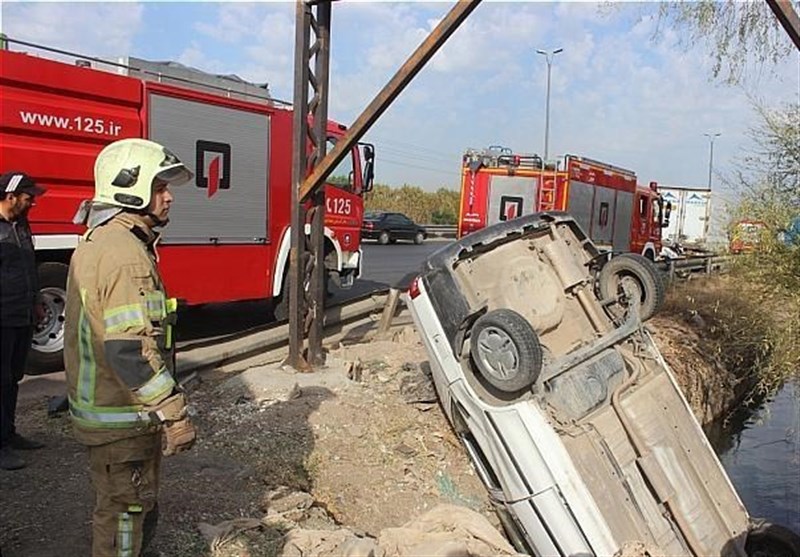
[[711, 136], [549, 55]]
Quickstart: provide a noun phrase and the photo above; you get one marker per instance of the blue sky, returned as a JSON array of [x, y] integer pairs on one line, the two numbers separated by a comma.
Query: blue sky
[[617, 95]]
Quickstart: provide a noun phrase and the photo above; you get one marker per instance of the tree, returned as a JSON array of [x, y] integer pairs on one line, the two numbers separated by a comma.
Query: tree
[[772, 168], [440, 207], [738, 32]]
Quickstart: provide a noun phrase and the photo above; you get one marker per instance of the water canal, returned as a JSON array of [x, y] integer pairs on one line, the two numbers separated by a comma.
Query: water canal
[[760, 450]]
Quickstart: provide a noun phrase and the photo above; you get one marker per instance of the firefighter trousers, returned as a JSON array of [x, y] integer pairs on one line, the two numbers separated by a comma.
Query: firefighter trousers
[[125, 478]]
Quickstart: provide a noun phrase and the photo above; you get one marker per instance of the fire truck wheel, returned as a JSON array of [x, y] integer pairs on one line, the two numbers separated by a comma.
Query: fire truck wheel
[[506, 351], [636, 276], [47, 346], [772, 540], [419, 237], [280, 304], [383, 238]]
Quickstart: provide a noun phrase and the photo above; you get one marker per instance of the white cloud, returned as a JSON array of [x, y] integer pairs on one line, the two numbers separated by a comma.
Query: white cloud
[[234, 22], [99, 29]]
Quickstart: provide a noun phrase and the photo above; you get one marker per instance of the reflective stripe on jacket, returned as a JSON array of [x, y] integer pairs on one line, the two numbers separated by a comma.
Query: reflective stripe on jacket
[[118, 348]]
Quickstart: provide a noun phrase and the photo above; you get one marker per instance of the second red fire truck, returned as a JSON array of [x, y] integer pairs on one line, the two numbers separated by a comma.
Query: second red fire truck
[[616, 213], [228, 238]]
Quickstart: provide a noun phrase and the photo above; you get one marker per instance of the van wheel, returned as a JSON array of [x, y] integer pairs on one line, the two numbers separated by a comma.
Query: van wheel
[[506, 351], [772, 540], [383, 238], [635, 276], [419, 237], [47, 346]]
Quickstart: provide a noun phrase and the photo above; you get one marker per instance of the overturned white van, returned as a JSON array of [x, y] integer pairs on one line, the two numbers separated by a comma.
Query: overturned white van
[[567, 409]]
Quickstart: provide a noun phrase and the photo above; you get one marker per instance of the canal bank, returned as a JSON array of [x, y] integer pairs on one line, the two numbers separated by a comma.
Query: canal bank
[[730, 343]]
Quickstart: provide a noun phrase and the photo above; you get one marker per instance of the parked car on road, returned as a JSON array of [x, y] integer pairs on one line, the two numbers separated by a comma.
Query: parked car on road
[[387, 228], [568, 411]]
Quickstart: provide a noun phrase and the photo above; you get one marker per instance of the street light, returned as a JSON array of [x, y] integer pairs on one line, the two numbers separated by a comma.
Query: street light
[[711, 136], [548, 55]]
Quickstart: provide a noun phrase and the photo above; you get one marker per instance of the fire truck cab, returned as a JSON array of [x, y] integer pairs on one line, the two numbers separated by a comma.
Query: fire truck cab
[[228, 238], [617, 214]]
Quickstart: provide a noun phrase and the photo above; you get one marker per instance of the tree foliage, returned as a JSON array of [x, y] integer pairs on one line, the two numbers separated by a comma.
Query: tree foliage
[[767, 177], [739, 31], [440, 207]]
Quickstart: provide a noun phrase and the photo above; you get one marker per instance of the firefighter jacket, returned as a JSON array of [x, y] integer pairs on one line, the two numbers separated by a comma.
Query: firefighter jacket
[[19, 285], [118, 348]]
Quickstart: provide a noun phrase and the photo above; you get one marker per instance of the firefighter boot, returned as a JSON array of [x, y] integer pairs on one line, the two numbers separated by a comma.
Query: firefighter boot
[[20, 443], [9, 460]]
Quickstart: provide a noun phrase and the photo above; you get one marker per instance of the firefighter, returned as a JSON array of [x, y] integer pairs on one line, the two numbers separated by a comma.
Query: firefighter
[[19, 309], [124, 402]]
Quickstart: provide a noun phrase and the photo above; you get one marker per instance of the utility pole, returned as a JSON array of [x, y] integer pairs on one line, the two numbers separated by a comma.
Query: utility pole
[[711, 136], [549, 55], [306, 254]]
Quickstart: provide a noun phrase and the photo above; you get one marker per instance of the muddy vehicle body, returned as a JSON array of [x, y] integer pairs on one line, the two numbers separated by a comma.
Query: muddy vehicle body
[[569, 413]]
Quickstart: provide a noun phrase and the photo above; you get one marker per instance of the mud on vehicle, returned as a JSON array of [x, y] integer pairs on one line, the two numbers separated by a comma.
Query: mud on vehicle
[[569, 413]]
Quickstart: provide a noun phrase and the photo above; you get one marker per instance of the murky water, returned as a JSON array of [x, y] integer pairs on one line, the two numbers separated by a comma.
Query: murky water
[[761, 453]]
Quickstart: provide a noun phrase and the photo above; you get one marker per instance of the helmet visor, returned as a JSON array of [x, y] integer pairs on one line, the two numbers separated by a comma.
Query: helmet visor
[[175, 175]]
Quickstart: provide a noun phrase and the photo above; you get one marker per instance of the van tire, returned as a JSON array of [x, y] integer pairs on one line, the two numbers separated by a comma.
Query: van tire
[[47, 348], [506, 351], [638, 273]]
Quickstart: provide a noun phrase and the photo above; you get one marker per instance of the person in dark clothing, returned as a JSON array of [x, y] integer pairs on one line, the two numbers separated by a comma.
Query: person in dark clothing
[[19, 308]]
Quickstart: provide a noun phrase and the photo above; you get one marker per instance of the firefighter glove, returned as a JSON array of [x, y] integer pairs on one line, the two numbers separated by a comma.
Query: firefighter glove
[[177, 436], [178, 430]]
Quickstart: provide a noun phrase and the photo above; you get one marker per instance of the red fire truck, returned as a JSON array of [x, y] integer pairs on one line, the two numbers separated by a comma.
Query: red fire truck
[[228, 238], [617, 214]]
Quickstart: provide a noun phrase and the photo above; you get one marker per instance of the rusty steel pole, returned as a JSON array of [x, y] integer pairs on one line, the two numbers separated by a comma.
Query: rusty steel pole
[[298, 257], [321, 50], [381, 102]]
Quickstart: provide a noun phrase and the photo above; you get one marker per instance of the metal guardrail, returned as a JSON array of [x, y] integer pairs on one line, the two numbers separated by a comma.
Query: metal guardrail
[[217, 352], [441, 230], [686, 266]]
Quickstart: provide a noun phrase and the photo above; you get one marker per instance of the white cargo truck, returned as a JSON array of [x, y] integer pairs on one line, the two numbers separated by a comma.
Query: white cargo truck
[[699, 217]]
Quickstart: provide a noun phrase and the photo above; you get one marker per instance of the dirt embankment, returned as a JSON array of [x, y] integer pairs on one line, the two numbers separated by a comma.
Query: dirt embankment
[[363, 446], [708, 387]]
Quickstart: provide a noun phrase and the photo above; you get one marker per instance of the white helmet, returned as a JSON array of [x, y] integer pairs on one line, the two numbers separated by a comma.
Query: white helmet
[[124, 172]]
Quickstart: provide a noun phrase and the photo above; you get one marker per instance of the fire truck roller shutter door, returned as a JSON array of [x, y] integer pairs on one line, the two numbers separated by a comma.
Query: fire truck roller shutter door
[[603, 211], [579, 204], [227, 148], [622, 221]]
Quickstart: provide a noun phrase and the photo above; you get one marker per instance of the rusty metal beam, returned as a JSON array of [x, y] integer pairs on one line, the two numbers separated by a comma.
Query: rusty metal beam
[[381, 102], [307, 253], [297, 252], [319, 138], [787, 17]]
